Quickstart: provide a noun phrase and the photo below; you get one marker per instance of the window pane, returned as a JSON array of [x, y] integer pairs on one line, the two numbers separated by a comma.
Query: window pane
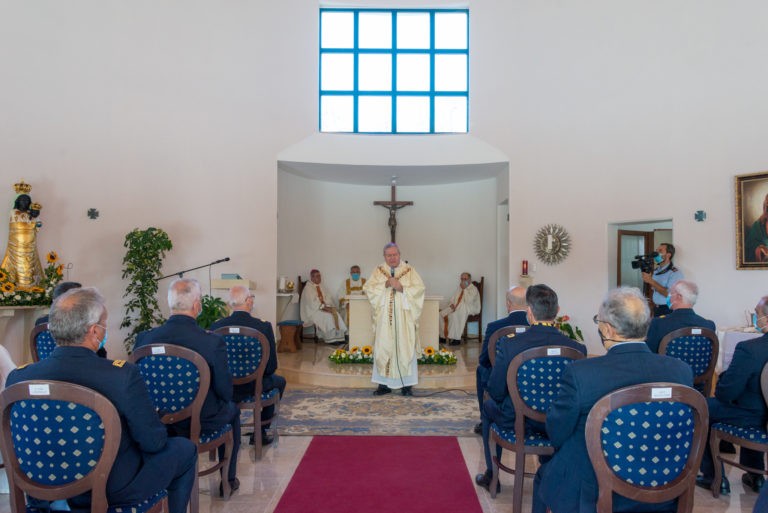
[[375, 72], [336, 114], [413, 30], [336, 72], [375, 30], [412, 114], [451, 114], [451, 30], [450, 73], [412, 72], [374, 114], [337, 30]]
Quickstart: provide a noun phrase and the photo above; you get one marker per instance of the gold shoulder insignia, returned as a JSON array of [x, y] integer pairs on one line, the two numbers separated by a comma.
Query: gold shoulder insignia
[[511, 335], [22, 366], [662, 316], [118, 363]]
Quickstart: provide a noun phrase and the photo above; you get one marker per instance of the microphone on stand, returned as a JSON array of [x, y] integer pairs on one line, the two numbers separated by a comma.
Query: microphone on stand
[[392, 271], [220, 261]]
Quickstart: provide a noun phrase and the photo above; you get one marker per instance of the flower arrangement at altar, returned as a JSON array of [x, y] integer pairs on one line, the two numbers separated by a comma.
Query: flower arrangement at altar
[[571, 331], [38, 295], [442, 357], [354, 355]]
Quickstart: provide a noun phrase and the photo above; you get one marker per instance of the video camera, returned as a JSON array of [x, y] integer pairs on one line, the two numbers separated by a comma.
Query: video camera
[[644, 262]]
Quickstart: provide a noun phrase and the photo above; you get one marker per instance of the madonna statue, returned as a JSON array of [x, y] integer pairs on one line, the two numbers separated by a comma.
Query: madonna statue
[[21, 260]]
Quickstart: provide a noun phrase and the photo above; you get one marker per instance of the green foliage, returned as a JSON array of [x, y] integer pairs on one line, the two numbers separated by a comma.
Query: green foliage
[[141, 267], [571, 331], [214, 308]]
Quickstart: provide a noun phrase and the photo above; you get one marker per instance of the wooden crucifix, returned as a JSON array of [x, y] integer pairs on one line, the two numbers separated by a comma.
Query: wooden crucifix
[[393, 206]]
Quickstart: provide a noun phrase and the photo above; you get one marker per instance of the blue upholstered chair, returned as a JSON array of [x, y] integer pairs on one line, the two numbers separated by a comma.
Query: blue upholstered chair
[[751, 438], [533, 380], [698, 347], [60, 440], [646, 442], [493, 343], [41, 343], [248, 354], [177, 379]]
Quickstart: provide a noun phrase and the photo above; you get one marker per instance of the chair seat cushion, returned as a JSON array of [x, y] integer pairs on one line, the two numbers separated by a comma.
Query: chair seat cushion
[[209, 436], [266, 396], [141, 506], [748, 433], [532, 438]]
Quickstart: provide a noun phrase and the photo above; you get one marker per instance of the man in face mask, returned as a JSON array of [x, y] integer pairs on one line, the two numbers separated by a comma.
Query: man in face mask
[[682, 297], [465, 302], [664, 276], [352, 286]]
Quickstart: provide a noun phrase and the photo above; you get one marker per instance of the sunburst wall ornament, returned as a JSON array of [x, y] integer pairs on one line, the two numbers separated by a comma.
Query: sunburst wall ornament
[[552, 244]]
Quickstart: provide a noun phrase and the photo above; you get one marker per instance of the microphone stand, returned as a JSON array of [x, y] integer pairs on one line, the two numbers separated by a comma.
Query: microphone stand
[[180, 274]]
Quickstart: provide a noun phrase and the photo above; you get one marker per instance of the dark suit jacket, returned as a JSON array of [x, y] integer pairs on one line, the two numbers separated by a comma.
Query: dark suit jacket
[[239, 318], [739, 385], [680, 318], [122, 384], [182, 330], [537, 335], [516, 318], [567, 481]]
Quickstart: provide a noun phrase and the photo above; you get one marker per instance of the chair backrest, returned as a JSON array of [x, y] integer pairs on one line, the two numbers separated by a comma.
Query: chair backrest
[[479, 285], [177, 379], [646, 442], [764, 386], [247, 355], [58, 440], [41, 343], [493, 343], [533, 381], [698, 347]]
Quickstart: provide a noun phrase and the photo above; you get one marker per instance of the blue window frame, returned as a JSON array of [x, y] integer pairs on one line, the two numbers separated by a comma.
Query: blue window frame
[[403, 71]]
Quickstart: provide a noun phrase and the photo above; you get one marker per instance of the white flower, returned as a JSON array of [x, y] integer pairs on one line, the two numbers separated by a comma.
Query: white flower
[[17, 297]]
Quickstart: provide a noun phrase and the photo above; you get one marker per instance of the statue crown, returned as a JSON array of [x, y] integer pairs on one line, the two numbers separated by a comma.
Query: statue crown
[[22, 187]]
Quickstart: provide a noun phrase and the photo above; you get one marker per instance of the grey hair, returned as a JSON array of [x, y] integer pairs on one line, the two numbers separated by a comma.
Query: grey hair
[[514, 299], [391, 245], [238, 295], [182, 294], [762, 306], [626, 309], [73, 312], [688, 290]]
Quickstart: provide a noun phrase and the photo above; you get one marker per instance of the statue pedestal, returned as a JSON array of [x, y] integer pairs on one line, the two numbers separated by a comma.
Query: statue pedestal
[[16, 323]]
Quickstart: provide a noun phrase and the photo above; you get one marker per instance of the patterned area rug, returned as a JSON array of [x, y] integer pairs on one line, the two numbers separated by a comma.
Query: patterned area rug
[[334, 411]]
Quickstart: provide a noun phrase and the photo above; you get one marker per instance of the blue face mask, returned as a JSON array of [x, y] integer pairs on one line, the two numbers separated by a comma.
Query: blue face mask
[[104, 339], [658, 259], [465, 283], [669, 301], [355, 276], [755, 318]]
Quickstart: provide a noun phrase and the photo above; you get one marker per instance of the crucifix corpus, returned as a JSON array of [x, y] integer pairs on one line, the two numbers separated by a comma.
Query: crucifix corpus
[[393, 206]]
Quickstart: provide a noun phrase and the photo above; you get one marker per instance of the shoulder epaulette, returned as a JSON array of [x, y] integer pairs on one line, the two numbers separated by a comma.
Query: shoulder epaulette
[[22, 366], [662, 316], [118, 363], [511, 335]]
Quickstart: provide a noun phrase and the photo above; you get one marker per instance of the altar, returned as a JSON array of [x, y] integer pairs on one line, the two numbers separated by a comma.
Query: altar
[[361, 321]]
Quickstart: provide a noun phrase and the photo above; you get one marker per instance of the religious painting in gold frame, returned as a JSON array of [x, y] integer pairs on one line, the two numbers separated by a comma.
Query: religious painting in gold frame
[[752, 221]]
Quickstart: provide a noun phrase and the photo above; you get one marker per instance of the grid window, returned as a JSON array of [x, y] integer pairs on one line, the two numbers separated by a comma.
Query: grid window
[[394, 71]]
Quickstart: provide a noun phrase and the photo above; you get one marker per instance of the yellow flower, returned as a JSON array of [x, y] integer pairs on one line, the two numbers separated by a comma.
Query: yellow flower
[[52, 257], [37, 290], [60, 269], [429, 351], [8, 287], [367, 350], [3, 276], [354, 349]]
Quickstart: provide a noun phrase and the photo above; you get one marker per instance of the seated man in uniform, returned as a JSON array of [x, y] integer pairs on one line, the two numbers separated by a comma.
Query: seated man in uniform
[[147, 460], [682, 296], [241, 303], [317, 308], [181, 329], [542, 310], [567, 481], [465, 302], [518, 316], [352, 286]]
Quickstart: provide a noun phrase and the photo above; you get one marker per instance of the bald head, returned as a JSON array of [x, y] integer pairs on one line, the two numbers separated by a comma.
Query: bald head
[[240, 299], [516, 299], [184, 296]]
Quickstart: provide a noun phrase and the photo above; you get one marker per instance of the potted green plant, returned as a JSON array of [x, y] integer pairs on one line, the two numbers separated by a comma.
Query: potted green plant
[[214, 308], [141, 267]]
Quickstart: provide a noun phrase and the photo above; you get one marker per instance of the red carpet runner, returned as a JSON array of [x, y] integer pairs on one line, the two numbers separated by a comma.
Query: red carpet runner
[[381, 474]]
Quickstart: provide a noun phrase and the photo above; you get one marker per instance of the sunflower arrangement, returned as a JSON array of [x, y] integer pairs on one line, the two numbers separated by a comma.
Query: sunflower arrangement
[[39, 295], [563, 323], [441, 357], [354, 355]]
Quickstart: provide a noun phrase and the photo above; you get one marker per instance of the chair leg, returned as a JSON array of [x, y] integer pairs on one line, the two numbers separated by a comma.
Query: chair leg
[[494, 468], [225, 487], [714, 447], [194, 497], [517, 493]]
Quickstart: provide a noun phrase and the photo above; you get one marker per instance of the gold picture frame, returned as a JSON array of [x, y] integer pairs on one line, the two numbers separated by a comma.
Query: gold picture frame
[[751, 221]]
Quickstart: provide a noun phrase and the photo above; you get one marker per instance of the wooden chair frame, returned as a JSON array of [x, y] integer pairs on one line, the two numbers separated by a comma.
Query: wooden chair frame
[[192, 412], [96, 479], [523, 412], [715, 436], [499, 333], [478, 317], [683, 486], [705, 379], [33, 340], [256, 377]]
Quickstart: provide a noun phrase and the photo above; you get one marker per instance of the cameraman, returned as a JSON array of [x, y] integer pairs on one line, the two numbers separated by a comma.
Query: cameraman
[[665, 275]]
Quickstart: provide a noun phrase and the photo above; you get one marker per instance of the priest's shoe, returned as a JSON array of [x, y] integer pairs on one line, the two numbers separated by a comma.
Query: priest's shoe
[[406, 391], [266, 439], [383, 389], [706, 482], [484, 480], [753, 481]]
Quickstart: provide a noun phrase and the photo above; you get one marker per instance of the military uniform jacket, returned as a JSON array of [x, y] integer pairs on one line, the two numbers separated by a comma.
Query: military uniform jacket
[[739, 385], [516, 318], [240, 318], [537, 335], [122, 384], [182, 330], [568, 482], [680, 318]]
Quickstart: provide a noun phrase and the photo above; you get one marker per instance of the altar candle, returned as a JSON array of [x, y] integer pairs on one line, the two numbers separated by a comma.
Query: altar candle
[[525, 267]]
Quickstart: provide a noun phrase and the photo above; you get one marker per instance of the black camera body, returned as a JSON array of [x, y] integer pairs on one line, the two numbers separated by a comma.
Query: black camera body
[[644, 262]]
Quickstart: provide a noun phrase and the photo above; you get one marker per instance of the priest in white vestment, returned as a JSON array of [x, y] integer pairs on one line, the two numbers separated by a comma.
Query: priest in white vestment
[[352, 286], [317, 308], [465, 302], [396, 293]]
